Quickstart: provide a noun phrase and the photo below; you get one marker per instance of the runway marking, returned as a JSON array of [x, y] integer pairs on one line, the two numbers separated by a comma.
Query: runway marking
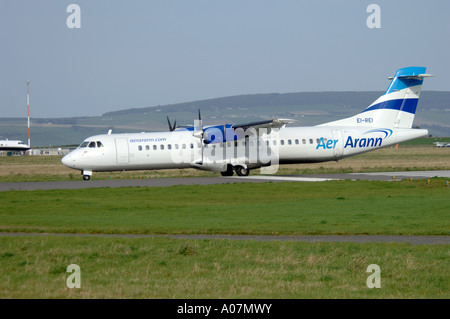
[[285, 178], [408, 174]]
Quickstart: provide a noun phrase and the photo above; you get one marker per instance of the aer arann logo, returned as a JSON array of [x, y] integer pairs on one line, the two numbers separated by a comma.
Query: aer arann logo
[[368, 141]]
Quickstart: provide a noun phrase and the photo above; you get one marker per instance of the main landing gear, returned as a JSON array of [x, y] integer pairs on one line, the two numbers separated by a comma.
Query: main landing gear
[[240, 171]]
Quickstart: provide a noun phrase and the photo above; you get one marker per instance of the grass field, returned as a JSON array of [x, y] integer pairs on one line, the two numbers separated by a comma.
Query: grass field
[[35, 267], [335, 207]]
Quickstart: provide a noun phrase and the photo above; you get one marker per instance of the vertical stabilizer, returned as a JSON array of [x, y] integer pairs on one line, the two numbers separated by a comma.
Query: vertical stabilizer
[[396, 108]]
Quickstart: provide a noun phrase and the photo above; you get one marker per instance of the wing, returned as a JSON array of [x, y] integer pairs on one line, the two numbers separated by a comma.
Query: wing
[[276, 123]]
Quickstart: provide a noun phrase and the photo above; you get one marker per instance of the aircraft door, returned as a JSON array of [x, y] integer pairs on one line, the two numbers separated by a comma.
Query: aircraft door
[[338, 149], [122, 155]]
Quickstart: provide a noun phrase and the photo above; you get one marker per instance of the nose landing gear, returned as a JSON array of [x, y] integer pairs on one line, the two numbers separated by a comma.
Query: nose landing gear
[[86, 175]]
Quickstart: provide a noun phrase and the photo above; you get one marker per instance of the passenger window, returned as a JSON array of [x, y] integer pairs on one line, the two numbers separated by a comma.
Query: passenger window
[[176, 146], [289, 142], [311, 141], [282, 142], [140, 147], [184, 146], [161, 146], [169, 146], [192, 145], [296, 142], [155, 147], [303, 141], [318, 140], [147, 147]]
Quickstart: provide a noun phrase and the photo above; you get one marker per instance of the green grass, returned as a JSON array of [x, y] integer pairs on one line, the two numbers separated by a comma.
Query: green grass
[[334, 207], [159, 267], [35, 267]]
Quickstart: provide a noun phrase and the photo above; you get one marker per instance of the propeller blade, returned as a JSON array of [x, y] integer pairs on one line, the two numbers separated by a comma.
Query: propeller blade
[[171, 128]]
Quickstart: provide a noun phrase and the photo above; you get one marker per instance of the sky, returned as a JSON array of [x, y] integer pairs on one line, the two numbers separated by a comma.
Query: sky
[[133, 54]]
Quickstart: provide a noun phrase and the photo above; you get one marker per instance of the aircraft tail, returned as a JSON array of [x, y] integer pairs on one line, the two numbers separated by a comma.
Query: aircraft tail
[[396, 108]]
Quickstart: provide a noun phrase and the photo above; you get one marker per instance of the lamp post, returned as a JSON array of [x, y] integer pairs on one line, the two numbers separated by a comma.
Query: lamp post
[[28, 105]]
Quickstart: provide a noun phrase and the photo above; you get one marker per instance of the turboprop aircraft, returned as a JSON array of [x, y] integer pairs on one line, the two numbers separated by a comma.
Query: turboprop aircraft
[[239, 148]]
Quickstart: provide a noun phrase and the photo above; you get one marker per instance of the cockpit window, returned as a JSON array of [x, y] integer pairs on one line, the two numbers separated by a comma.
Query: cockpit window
[[92, 144], [84, 144], [99, 144]]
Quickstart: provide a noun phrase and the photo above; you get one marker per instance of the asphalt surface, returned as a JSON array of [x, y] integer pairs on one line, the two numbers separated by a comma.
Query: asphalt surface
[[164, 182], [414, 240]]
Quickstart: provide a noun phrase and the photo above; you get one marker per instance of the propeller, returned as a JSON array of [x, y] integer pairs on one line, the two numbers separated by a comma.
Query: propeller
[[172, 128], [199, 132], [198, 127]]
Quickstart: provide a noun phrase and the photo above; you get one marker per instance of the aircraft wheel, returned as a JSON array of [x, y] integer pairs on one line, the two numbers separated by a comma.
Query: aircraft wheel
[[86, 177], [242, 171], [228, 172]]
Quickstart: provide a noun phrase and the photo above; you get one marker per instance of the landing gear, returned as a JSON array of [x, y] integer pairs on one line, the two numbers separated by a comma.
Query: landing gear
[[229, 171], [241, 170], [86, 175]]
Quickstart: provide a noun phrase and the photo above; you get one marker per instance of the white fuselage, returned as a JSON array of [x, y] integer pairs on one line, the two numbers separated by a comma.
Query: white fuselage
[[180, 149], [10, 145]]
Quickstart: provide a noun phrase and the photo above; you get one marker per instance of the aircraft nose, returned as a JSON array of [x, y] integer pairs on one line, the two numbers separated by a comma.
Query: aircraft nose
[[68, 160]]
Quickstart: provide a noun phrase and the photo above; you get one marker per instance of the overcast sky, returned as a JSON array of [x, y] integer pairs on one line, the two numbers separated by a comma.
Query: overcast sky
[[146, 53]]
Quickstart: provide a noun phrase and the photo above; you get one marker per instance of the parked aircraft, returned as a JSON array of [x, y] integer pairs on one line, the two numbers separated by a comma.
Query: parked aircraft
[[239, 148], [439, 144], [12, 145]]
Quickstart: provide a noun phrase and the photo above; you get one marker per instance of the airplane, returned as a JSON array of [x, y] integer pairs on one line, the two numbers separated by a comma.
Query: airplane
[[13, 145], [439, 144], [239, 148]]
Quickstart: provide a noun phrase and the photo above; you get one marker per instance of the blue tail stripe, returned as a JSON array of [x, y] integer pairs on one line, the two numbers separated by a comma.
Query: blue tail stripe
[[405, 105]]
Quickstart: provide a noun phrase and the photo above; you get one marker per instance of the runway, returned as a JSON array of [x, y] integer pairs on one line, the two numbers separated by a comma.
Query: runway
[[164, 182]]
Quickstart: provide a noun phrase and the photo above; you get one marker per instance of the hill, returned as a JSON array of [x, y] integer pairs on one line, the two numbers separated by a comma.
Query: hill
[[307, 108]]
